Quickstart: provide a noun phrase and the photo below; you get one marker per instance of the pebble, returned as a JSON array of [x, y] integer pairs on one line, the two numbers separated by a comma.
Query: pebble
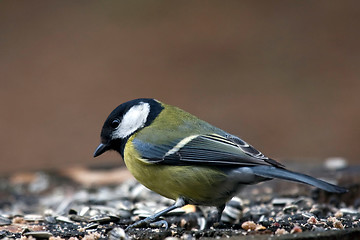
[[338, 224], [281, 231], [18, 220], [312, 220], [260, 227], [248, 226], [335, 222], [339, 214], [296, 229], [117, 234]]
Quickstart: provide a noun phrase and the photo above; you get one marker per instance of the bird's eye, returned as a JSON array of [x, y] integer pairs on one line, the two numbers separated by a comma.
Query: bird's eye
[[115, 123]]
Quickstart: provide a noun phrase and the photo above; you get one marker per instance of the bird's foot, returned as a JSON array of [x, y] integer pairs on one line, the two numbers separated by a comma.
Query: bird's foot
[[149, 222]]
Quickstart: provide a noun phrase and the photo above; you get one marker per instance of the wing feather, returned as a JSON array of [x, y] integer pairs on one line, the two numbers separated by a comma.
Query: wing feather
[[210, 149]]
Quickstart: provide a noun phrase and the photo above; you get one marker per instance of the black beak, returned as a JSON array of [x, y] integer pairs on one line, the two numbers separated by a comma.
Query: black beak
[[101, 149]]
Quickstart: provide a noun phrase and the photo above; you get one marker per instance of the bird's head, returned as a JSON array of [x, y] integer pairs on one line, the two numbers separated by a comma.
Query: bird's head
[[124, 121]]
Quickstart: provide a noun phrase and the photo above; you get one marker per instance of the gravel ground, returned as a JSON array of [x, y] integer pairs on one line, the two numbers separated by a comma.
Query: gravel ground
[[91, 204]]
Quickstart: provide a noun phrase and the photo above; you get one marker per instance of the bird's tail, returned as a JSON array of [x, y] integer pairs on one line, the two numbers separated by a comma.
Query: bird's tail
[[274, 172]]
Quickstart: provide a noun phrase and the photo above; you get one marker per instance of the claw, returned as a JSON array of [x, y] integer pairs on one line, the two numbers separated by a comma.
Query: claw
[[159, 224], [150, 221], [140, 223]]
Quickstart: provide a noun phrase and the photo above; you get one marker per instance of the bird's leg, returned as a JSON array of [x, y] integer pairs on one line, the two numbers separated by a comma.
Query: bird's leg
[[220, 211], [180, 202]]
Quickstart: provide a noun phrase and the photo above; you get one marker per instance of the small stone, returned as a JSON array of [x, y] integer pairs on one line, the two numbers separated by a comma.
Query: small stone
[[331, 219], [296, 229], [339, 214], [18, 220], [92, 236], [183, 222], [312, 220], [56, 238], [335, 222], [307, 215], [248, 226], [338, 224], [281, 231], [260, 227]]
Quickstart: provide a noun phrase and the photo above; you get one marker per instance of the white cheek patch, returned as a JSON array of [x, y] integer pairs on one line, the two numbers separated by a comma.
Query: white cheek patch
[[134, 119]]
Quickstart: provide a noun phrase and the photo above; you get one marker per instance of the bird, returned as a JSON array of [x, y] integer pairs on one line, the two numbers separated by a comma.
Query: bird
[[184, 158]]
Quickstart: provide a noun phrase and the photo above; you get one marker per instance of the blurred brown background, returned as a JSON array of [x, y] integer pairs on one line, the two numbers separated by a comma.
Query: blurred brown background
[[283, 75]]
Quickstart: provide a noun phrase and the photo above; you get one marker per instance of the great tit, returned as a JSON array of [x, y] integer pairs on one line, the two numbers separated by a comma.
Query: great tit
[[186, 159]]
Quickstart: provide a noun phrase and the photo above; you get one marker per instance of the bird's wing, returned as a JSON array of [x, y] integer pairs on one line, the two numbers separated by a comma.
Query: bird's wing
[[210, 149]]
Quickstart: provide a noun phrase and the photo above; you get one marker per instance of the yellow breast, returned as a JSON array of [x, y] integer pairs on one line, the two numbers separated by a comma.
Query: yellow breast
[[199, 185]]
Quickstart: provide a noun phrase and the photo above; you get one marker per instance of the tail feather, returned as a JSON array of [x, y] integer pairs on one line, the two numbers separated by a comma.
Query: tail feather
[[273, 172]]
